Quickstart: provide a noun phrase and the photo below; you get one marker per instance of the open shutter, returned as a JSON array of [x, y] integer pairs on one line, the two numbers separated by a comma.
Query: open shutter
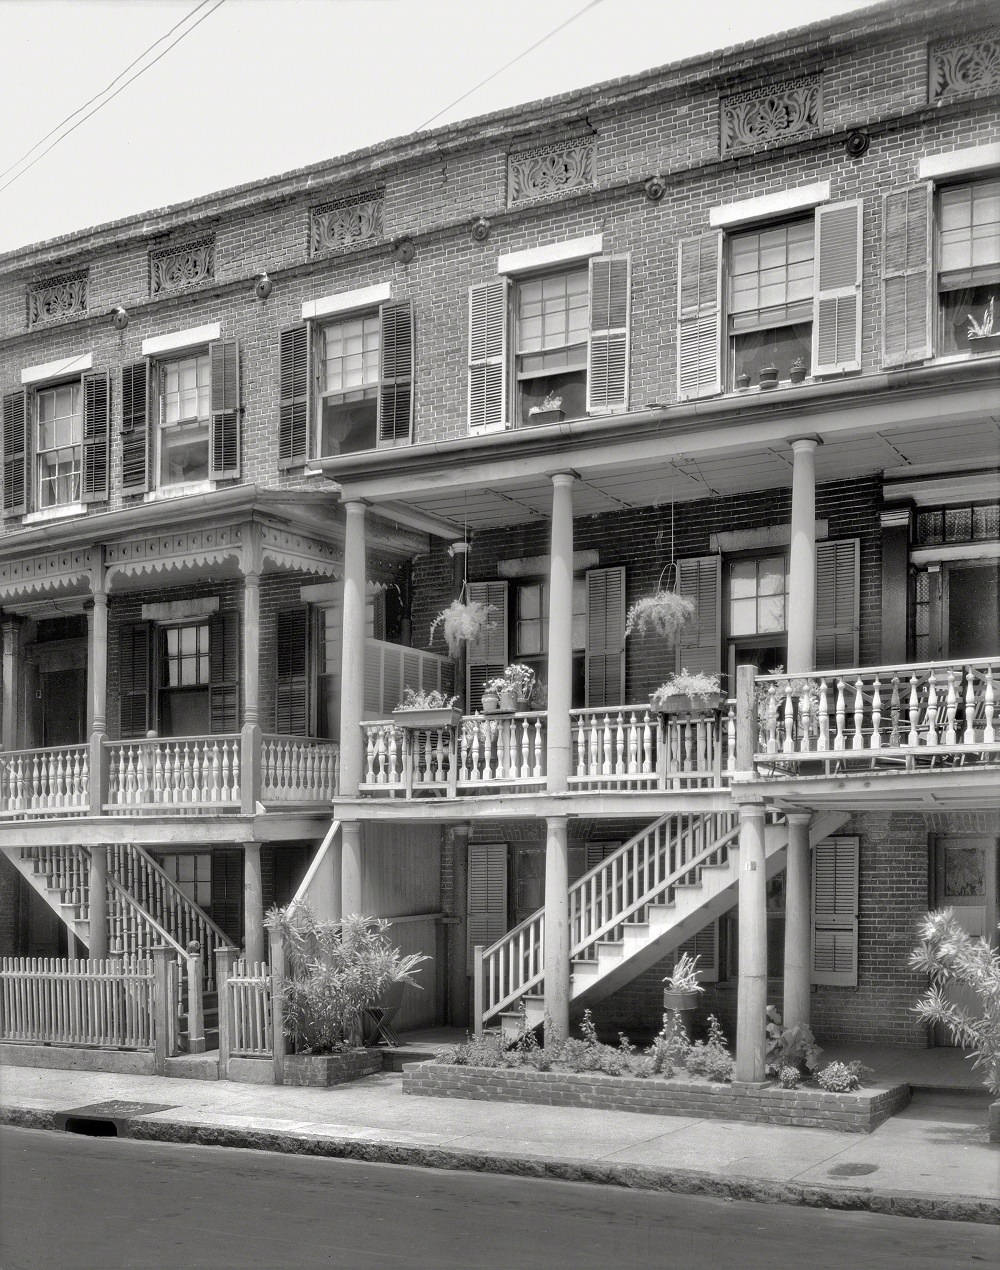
[[837, 293], [224, 443], [837, 604], [224, 671], [96, 437], [135, 652], [227, 892], [906, 275], [395, 393], [606, 637], [699, 316], [16, 477], [699, 578], [488, 355], [291, 689], [704, 946], [487, 655], [608, 343], [835, 912], [487, 912], [135, 428], [293, 411]]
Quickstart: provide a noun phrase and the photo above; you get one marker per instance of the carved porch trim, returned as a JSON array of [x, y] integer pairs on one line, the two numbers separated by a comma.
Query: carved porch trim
[[173, 552], [965, 66], [551, 171], [759, 117], [347, 222], [49, 572], [285, 549], [179, 267], [55, 299]]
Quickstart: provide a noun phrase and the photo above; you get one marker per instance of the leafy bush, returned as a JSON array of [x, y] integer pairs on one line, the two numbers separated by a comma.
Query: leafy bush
[[789, 1077], [838, 1078], [790, 1047], [711, 1058], [670, 1046]]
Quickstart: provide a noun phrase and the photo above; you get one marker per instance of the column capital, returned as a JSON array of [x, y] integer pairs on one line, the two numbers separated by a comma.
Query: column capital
[[556, 822], [898, 516], [752, 809], [355, 506], [459, 549], [799, 817], [564, 478], [807, 442]]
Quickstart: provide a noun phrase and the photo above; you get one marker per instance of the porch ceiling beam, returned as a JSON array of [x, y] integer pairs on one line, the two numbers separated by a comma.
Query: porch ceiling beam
[[927, 790], [166, 831], [605, 805]]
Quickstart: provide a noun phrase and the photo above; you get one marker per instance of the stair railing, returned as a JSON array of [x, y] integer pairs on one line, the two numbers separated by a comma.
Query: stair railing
[[64, 867]]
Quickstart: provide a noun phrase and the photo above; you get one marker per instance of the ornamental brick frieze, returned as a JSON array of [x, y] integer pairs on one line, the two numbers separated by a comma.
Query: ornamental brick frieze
[[346, 223], [57, 298], [763, 116], [965, 66], [549, 171], [176, 268]]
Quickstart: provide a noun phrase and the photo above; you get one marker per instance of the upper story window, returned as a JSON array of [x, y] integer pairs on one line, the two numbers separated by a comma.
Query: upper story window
[[552, 325], [770, 307], [968, 264], [59, 445], [182, 437], [346, 383]]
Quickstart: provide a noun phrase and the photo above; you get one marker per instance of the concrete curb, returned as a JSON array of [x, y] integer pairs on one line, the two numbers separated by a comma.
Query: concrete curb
[[678, 1181]]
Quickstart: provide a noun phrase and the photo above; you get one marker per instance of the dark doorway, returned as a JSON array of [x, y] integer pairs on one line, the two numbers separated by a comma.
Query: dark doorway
[[63, 706]]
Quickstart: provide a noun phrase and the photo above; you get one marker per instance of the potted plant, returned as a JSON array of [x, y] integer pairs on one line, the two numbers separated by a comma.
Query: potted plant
[[547, 411], [521, 680], [490, 699], [743, 380], [984, 334], [682, 986], [687, 692], [334, 972], [662, 613], [463, 621], [798, 370], [769, 376], [432, 709]]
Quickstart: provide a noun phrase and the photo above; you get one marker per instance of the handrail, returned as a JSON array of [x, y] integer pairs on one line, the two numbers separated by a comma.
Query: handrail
[[315, 864], [894, 667], [149, 865]]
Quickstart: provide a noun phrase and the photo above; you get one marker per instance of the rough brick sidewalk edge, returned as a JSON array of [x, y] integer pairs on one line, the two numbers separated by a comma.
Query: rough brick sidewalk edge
[[635, 1177]]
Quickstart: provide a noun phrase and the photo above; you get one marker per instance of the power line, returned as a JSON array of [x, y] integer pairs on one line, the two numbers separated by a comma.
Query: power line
[[537, 44], [106, 100]]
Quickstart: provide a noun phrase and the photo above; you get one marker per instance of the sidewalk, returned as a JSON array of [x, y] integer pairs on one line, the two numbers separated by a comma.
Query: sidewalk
[[932, 1160]]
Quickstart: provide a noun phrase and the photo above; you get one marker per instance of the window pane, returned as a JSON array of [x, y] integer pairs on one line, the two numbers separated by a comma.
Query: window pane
[[530, 601], [771, 575], [743, 617], [771, 613], [742, 579], [351, 353]]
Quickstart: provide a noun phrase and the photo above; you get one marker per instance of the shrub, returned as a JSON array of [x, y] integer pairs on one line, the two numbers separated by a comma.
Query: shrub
[[837, 1078], [789, 1077], [670, 1046], [790, 1047], [711, 1058]]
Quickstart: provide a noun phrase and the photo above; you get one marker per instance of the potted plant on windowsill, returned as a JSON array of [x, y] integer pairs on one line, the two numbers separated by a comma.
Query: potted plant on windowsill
[[547, 411], [431, 709], [798, 370], [769, 376], [682, 985], [687, 693], [743, 380], [984, 336]]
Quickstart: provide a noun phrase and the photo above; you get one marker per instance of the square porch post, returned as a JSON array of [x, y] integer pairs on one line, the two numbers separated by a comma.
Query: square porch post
[[751, 1003], [798, 880], [556, 944]]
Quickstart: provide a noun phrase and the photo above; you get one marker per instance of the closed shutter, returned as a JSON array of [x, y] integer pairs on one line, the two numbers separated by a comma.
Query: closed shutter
[[224, 671], [906, 275], [608, 344], [487, 655], [835, 912], [293, 409], [395, 394], [224, 443], [96, 437], [227, 892], [704, 946], [488, 355], [487, 911], [699, 317], [837, 294], [16, 476], [135, 652], [699, 578], [291, 689], [136, 416], [606, 637], [373, 680], [837, 606]]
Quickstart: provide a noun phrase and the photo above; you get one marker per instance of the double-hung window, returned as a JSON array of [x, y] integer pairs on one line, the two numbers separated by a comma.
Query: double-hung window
[[182, 435], [552, 322], [348, 385], [59, 445], [968, 265], [770, 308]]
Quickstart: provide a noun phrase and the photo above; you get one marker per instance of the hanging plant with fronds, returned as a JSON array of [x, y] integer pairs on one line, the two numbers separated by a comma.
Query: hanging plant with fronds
[[463, 621], [662, 613]]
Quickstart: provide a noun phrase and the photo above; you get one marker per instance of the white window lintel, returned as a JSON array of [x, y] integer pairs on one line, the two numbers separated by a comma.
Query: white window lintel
[[551, 254], [180, 610], [54, 513], [345, 301], [57, 369], [781, 203], [177, 341], [957, 162]]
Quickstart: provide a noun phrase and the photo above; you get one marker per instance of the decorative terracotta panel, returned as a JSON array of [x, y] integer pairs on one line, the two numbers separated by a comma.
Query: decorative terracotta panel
[[965, 66], [57, 298], [550, 171], [176, 268], [346, 223], [763, 116]]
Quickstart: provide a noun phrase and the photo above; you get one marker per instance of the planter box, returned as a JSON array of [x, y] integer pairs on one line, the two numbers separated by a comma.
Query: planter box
[[984, 343], [859, 1112], [445, 717], [680, 1001], [323, 1070], [680, 703], [546, 416]]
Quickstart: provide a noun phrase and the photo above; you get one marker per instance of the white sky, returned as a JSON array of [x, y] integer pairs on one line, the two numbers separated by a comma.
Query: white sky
[[265, 86]]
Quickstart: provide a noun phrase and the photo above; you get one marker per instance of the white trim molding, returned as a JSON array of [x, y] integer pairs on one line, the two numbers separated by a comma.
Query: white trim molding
[[345, 301], [55, 370], [957, 162], [552, 254], [175, 341], [959, 551], [779, 204]]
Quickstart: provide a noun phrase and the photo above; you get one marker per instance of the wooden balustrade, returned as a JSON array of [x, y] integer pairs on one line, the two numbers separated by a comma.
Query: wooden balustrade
[[248, 999], [298, 769], [66, 1001], [505, 750], [65, 868], [615, 748], [510, 967], [174, 773], [51, 781]]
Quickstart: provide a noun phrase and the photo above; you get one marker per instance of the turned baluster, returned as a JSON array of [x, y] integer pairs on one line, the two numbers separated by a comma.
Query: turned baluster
[[858, 740], [969, 735], [731, 740], [595, 760], [989, 736], [771, 720], [647, 743], [536, 770], [932, 709], [581, 747], [606, 741], [913, 736], [788, 742], [512, 747], [951, 709], [840, 738], [632, 765], [894, 714], [370, 756], [876, 737], [822, 718]]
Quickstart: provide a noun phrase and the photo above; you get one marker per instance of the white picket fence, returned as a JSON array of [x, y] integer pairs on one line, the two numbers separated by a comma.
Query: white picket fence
[[70, 1001], [248, 999]]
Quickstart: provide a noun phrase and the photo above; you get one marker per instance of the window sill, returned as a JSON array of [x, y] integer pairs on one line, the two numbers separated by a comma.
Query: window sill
[[54, 513], [179, 491]]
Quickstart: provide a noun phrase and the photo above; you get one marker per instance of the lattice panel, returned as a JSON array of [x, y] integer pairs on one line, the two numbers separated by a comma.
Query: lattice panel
[[965, 66], [57, 298], [550, 171], [778, 112], [176, 268], [346, 223]]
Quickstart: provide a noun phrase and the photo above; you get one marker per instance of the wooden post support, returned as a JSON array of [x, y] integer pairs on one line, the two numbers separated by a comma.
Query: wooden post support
[[352, 743], [225, 959], [746, 720], [751, 1002], [801, 654], [253, 902], [98, 901], [162, 1008], [196, 1003], [278, 972], [559, 666], [477, 989], [352, 868], [798, 932], [555, 950]]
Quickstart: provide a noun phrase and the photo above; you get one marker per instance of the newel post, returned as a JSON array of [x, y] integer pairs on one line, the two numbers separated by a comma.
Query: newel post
[[98, 901], [225, 959], [278, 972], [196, 1004], [162, 1008]]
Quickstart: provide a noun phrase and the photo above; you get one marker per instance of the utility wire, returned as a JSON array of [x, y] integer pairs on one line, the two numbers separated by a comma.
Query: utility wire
[[537, 44], [107, 99]]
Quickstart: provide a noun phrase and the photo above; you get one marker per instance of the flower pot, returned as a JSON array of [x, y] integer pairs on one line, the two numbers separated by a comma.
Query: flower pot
[[508, 701], [680, 703], [680, 1001], [491, 703], [445, 717], [797, 374], [742, 382], [769, 377]]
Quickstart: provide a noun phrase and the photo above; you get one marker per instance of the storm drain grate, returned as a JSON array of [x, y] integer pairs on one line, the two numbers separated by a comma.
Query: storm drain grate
[[106, 1119], [852, 1170]]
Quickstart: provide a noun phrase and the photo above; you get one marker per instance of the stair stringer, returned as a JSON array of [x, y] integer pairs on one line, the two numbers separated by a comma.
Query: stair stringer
[[69, 902]]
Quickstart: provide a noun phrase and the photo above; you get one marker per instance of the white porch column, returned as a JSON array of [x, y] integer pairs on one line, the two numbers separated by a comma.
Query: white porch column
[[253, 903], [751, 1001], [351, 873], [802, 559], [251, 649], [11, 673], [555, 951], [98, 902], [560, 660], [352, 700], [98, 662], [795, 1007]]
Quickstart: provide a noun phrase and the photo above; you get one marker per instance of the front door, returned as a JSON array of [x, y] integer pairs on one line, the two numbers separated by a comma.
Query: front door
[[966, 881], [63, 706]]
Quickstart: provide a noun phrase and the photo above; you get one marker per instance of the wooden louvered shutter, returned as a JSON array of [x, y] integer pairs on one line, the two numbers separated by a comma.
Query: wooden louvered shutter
[[835, 912], [487, 655], [608, 344], [135, 428], [699, 317], [837, 293], [293, 416], [291, 688], [224, 443], [395, 393], [16, 474], [373, 679], [699, 578], [606, 637], [224, 671], [227, 892], [96, 437], [488, 355], [705, 946], [906, 275], [837, 604], [135, 654], [487, 910]]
